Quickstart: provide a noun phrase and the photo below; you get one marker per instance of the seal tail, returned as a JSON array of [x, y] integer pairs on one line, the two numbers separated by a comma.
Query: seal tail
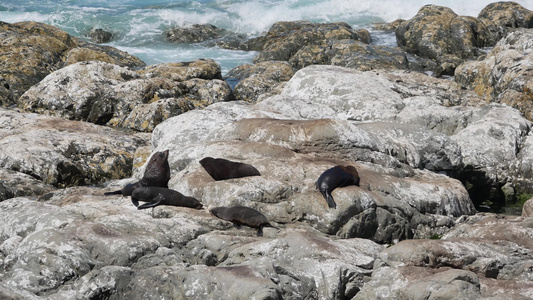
[[119, 192], [329, 199]]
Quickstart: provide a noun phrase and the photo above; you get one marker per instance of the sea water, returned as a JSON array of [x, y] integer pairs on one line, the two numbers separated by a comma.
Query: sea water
[[139, 26]]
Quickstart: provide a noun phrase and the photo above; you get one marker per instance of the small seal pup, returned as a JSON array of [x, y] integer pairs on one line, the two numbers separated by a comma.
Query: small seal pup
[[157, 173], [162, 196], [222, 169], [241, 215], [338, 176]]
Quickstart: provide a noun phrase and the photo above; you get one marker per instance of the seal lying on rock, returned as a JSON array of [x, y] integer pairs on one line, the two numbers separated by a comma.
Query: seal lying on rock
[[338, 176], [221, 169], [241, 215], [157, 173], [162, 196]]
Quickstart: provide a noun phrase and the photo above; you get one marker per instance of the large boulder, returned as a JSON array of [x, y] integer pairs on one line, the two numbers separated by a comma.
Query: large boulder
[[284, 39], [259, 81], [62, 153], [484, 256], [107, 94], [505, 75], [502, 17], [30, 51], [439, 34], [195, 33]]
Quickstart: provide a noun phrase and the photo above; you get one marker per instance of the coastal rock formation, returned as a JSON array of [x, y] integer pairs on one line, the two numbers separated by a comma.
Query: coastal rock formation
[[284, 39], [30, 51], [402, 140], [483, 256], [108, 94], [439, 34], [60, 153], [259, 81], [428, 151], [505, 75], [502, 17], [99, 35], [195, 33]]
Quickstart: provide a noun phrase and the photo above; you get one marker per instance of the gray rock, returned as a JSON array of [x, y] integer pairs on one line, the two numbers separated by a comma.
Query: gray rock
[[261, 80], [107, 94], [493, 78], [527, 210], [438, 33], [62, 153], [284, 39], [17, 184], [100, 36], [195, 33], [33, 50], [502, 17]]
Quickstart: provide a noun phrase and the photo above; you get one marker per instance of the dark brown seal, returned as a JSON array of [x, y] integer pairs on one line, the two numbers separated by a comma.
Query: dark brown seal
[[222, 169], [157, 173], [241, 215], [338, 176], [162, 196]]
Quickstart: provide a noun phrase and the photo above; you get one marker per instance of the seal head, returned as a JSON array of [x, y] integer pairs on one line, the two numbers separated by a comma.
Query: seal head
[[338, 176]]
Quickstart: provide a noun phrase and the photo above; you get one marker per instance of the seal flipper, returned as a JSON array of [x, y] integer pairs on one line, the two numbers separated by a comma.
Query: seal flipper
[[119, 192], [260, 231], [237, 224], [157, 200], [329, 198], [135, 202]]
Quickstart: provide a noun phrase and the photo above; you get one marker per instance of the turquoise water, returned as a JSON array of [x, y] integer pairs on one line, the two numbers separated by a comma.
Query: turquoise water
[[139, 25]]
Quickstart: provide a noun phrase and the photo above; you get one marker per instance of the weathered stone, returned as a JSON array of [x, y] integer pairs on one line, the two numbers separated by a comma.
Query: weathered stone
[[63, 153], [484, 256], [364, 57], [388, 26], [100, 36], [195, 33], [438, 33], [104, 93], [502, 17], [260, 80], [30, 51], [527, 209], [505, 75], [200, 68], [16, 184], [421, 283], [284, 39]]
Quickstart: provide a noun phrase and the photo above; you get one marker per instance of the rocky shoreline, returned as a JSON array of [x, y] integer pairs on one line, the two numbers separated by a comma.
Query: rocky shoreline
[[80, 119]]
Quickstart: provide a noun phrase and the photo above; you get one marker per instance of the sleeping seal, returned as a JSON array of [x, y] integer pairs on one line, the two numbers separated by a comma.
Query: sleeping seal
[[161, 196], [222, 169], [157, 173], [241, 215], [338, 176]]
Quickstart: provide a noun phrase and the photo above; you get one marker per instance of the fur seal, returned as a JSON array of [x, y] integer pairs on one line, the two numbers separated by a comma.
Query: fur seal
[[241, 215], [162, 196], [222, 169], [157, 173], [338, 176]]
